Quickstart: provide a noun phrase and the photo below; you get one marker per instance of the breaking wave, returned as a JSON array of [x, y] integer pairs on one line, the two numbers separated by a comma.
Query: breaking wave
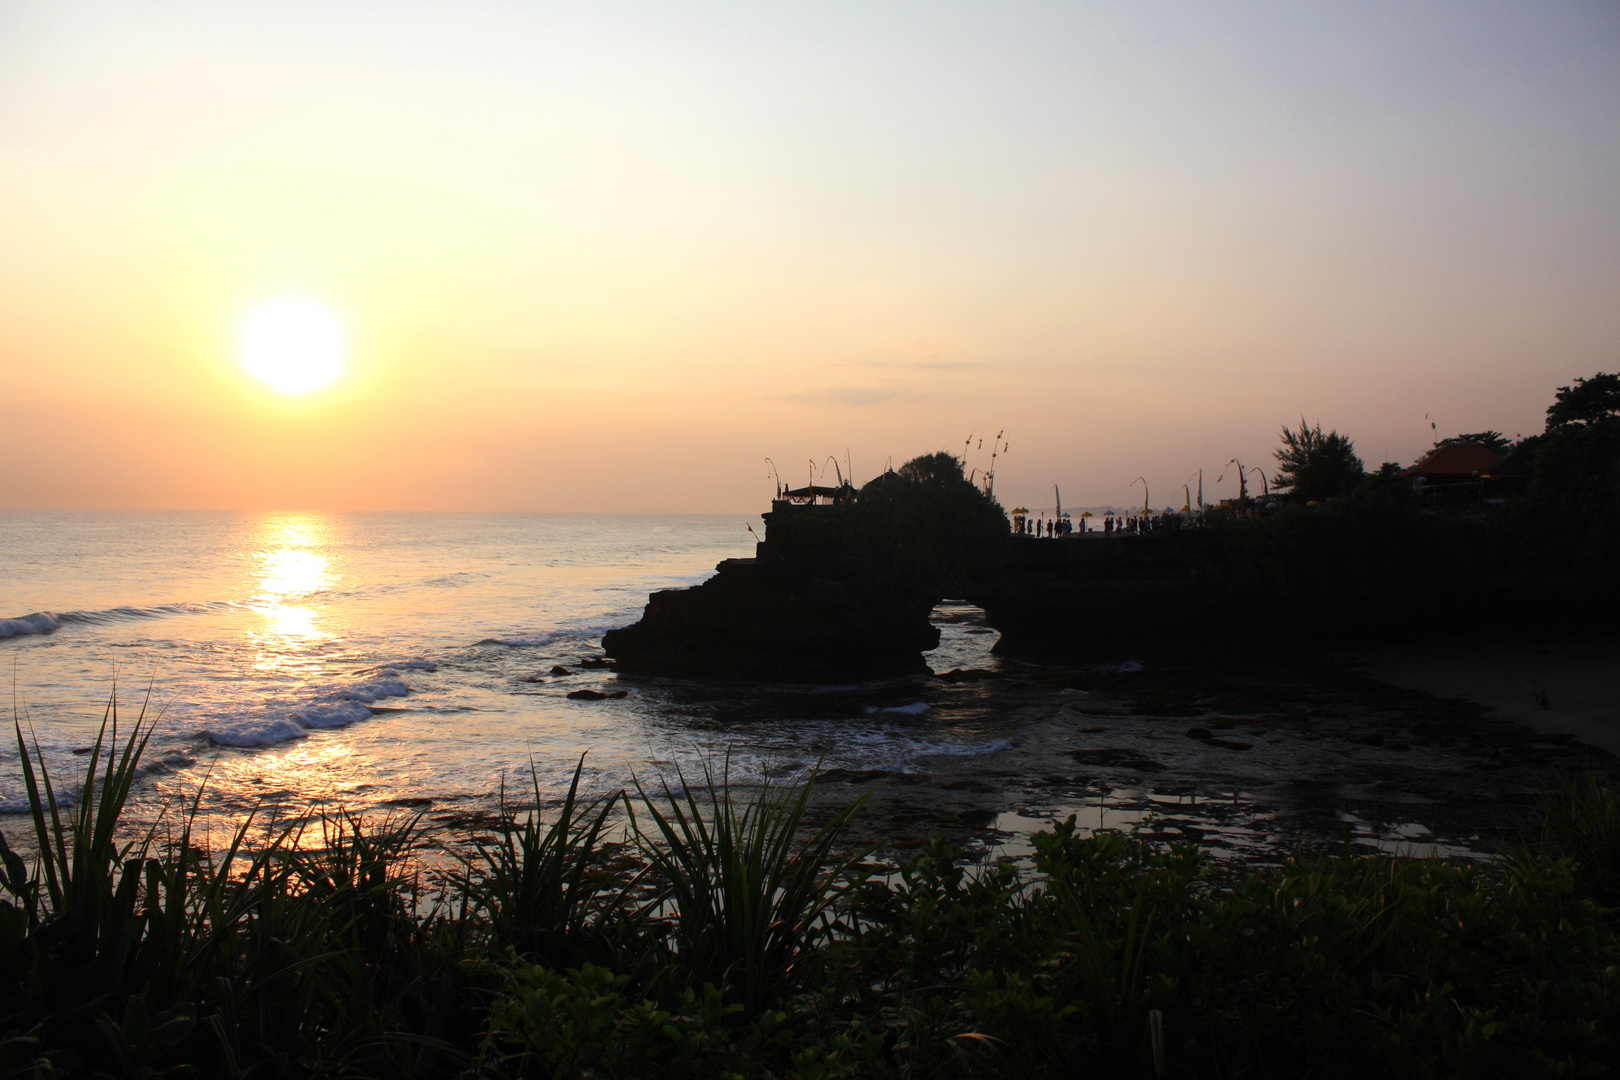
[[552, 636], [336, 708], [40, 622], [47, 622]]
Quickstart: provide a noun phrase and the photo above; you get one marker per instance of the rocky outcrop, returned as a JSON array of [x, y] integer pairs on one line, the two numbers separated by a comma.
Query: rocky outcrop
[[777, 619], [813, 605]]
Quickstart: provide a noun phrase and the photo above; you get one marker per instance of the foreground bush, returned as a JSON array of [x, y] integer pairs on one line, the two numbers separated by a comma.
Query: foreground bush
[[738, 943]]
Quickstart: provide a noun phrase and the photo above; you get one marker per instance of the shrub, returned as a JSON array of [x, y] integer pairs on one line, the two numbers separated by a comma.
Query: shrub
[[759, 949]]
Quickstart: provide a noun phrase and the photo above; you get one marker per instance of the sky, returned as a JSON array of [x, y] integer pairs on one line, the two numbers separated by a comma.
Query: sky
[[611, 257]]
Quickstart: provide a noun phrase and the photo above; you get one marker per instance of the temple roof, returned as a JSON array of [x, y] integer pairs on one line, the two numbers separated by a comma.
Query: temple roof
[[1456, 461]]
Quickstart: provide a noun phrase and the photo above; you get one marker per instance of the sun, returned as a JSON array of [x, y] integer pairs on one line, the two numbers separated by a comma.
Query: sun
[[293, 345]]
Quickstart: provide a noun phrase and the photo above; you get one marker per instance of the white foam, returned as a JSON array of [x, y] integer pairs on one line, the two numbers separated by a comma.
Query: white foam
[[257, 733], [916, 708], [550, 636], [331, 716], [390, 685], [339, 708], [40, 622]]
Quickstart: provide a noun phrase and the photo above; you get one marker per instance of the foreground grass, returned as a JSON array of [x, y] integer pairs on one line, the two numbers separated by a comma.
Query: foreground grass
[[741, 943]]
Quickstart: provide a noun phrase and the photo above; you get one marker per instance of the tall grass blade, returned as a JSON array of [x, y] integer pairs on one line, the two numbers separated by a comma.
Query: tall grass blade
[[749, 898]]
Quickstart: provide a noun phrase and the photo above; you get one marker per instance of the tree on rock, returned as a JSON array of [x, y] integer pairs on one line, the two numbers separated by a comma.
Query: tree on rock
[[941, 470], [927, 522], [1312, 465]]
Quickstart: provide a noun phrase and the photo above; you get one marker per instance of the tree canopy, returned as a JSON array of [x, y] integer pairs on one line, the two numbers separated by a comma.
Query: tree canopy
[[932, 524], [1312, 465], [1490, 440], [1588, 401], [939, 469]]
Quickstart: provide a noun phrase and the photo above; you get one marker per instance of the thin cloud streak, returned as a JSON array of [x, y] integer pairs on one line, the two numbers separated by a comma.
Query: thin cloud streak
[[860, 397], [919, 365]]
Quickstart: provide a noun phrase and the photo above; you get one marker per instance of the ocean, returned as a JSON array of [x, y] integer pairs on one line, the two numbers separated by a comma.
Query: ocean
[[404, 662]]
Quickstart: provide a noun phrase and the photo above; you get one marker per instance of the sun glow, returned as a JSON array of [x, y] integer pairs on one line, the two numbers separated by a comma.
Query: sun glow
[[293, 345]]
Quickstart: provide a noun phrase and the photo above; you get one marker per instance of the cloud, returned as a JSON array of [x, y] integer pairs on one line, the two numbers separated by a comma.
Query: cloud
[[930, 364], [858, 396]]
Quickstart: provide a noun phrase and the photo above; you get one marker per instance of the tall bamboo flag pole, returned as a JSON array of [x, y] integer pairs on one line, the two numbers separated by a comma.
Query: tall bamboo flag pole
[[994, 450], [1243, 480]]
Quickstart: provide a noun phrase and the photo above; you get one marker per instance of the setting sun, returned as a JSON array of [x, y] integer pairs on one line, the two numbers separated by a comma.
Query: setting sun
[[293, 345]]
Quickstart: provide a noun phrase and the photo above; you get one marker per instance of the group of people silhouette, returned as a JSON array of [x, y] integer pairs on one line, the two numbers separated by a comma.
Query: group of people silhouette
[[1122, 524], [1126, 523], [1048, 528]]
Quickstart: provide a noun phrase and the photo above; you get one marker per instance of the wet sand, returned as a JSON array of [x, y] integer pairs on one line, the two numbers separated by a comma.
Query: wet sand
[[1579, 678]]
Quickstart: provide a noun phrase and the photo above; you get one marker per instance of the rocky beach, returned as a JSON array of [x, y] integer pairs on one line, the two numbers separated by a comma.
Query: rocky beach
[[1254, 761]]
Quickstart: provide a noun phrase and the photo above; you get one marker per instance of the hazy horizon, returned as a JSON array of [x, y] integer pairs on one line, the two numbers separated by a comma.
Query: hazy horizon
[[609, 258]]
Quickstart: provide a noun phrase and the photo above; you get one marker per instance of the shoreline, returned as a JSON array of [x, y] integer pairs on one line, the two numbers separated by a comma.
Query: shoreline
[[1290, 756], [1420, 750], [1579, 676]]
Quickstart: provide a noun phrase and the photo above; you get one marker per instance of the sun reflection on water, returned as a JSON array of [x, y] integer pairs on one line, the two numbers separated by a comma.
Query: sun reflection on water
[[292, 572], [292, 568]]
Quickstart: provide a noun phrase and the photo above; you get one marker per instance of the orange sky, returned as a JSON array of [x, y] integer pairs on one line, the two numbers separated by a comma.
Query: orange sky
[[611, 257]]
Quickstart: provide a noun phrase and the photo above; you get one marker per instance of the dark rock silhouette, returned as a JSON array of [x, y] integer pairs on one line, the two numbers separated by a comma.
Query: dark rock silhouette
[[838, 591], [780, 620]]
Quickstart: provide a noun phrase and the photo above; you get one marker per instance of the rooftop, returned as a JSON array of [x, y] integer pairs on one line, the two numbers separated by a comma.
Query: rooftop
[[1455, 461]]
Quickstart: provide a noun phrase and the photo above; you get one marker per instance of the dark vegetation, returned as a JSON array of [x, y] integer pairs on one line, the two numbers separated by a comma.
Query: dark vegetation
[[1542, 551], [929, 526], [1490, 440], [1317, 466], [698, 932], [729, 937]]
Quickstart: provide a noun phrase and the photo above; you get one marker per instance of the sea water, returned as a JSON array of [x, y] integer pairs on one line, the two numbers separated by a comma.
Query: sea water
[[377, 661]]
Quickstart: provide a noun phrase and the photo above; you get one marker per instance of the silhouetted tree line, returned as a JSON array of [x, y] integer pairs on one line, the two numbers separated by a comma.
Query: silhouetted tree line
[[1364, 538]]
